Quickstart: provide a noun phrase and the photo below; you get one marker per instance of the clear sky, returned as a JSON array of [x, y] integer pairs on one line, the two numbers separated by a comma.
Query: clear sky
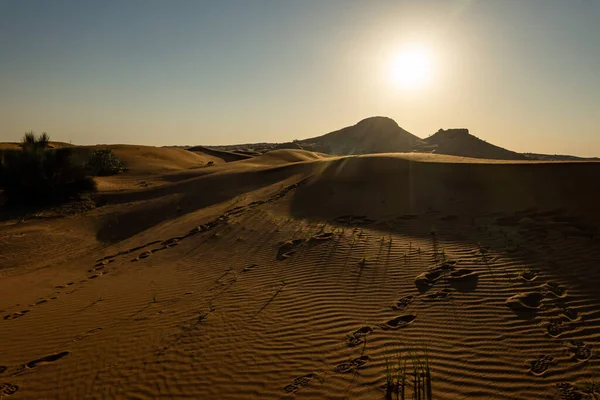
[[522, 74]]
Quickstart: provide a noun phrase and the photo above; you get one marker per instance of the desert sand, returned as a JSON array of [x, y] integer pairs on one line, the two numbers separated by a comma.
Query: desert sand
[[295, 274]]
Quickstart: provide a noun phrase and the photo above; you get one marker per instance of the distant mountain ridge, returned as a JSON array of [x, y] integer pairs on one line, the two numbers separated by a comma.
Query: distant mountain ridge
[[384, 135]]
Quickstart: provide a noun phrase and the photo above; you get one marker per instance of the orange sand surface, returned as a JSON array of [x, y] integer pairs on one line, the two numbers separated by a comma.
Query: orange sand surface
[[298, 275]]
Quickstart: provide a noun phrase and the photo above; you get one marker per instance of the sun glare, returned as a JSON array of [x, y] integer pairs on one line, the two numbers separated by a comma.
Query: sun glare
[[411, 67]]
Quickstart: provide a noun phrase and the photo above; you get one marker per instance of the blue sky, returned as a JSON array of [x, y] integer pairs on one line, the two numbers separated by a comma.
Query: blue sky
[[523, 74]]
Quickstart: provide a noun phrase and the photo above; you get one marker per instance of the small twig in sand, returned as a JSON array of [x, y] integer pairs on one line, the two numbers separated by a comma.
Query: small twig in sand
[[272, 297]]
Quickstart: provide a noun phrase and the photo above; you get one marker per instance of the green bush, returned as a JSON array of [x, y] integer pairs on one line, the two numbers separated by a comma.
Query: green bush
[[104, 162], [39, 175]]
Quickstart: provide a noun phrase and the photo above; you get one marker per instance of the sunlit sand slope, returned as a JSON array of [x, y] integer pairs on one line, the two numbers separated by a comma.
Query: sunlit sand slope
[[299, 279], [147, 165]]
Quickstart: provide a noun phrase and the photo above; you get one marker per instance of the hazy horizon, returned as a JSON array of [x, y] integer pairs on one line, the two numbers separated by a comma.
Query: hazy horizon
[[521, 75]]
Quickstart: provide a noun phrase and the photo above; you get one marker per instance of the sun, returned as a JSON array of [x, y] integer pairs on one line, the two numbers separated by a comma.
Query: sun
[[411, 67]]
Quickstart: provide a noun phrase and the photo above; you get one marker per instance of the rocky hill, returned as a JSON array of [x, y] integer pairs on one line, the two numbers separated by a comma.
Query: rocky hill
[[459, 142], [371, 135]]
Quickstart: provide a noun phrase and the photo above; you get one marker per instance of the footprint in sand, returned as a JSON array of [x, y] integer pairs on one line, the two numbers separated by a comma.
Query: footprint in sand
[[352, 365], [528, 276], [46, 360], [99, 266], [103, 263], [86, 334], [463, 279], [554, 290], [462, 275], [99, 274], [143, 255], [555, 327], [443, 294], [197, 229], [63, 286], [8, 389], [428, 278], [227, 278], [527, 301], [16, 314], [580, 350], [570, 313], [399, 322], [568, 391], [403, 303], [359, 336], [287, 249], [159, 249], [171, 242], [250, 268], [137, 248], [540, 365], [322, 236], [299, 383]]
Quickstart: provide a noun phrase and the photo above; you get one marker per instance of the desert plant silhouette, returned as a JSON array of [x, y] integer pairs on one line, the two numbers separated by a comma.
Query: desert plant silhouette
[[36, 174]]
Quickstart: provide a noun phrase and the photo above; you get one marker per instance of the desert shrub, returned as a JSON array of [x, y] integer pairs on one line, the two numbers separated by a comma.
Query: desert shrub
[[104, 162], [39, 175], [30, 142]]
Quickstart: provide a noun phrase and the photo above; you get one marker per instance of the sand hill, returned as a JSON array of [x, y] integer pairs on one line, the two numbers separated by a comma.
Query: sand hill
[[226, 156], [16, 146], [147, 166], [300, 275]]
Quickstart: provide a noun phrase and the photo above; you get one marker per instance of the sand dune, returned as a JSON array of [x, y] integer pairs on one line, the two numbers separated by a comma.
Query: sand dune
[[152, 160], [285, 156], [224, 156], [297, 275], [147, 165], [15, 145]]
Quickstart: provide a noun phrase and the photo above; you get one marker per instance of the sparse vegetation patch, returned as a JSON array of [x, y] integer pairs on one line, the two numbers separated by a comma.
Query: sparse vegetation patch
[[37, 174], [104, 162]]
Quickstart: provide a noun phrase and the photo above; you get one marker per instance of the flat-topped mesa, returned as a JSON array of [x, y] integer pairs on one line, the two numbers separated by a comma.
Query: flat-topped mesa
[[459, 142], [453, 131]]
